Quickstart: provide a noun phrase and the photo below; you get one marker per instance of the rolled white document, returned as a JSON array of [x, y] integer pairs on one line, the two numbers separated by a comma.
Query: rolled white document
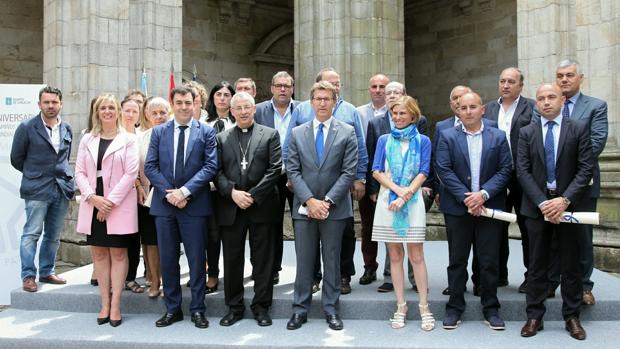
[[499, 215], [149, 198], [579, 217]]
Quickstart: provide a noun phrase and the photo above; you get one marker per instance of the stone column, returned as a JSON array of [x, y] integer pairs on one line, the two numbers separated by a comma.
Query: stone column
[[359, 38], [91, 47], [588, 31]]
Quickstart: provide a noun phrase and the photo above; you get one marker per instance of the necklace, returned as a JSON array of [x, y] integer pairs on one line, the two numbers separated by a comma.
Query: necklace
[[244, 162]]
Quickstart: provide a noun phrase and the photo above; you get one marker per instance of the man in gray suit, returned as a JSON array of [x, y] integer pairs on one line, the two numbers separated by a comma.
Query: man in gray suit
[[321, 166], [578, 106]]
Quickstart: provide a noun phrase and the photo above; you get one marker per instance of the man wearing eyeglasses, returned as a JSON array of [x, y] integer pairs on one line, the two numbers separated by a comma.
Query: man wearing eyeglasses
[[347, 113], [276, 113]]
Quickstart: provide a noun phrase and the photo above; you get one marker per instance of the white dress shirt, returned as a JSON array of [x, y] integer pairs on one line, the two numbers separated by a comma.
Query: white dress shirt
[[326, 124]]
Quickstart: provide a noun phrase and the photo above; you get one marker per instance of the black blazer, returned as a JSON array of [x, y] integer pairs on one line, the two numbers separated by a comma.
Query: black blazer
[[377, 127], [264, 113], [264, 166], [573, 169], [522, 117]]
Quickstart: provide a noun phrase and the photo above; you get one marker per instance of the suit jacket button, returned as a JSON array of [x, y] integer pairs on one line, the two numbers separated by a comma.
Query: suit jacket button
[[468, 178]]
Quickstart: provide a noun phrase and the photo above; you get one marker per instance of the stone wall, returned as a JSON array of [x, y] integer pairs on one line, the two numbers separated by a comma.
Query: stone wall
[[21, 42], [231, 39], [457, 42]]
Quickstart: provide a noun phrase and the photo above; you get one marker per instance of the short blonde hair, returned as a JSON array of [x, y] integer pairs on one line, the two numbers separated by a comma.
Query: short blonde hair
[[150, 103], [323, 86], [410, 104], [95, 118]]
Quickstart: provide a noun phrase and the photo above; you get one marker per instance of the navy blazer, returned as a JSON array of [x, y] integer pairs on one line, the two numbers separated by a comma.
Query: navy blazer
[[521, 117], [33, 154], [265, 111], [200, 168], [376, 128], [454, 172], [573, 168]]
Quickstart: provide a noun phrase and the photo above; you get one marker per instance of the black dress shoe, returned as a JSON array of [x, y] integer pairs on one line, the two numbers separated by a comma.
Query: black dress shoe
[[296, 321], [116, 323], [385, 287], [345, 286], [368, 277], [230, 319], [103, 320], [523, 287], [263, 319], [199, 320], [334, 322], [168, 319], [446, 291]]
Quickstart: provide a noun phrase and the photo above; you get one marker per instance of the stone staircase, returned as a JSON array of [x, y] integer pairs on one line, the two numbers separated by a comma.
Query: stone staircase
[[64, 316]]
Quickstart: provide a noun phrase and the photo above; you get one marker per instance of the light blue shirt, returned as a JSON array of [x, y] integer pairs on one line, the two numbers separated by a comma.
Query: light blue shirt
[[343, 111], [474, 149], [571, 105], [280, 122], [556, 139]]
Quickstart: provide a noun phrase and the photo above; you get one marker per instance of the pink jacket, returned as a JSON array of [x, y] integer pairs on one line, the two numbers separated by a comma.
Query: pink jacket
[[119, 169]]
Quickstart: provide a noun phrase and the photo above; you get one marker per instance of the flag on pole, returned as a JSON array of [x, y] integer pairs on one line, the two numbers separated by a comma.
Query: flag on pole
[[143, 85], [194, 74], [171, 83]]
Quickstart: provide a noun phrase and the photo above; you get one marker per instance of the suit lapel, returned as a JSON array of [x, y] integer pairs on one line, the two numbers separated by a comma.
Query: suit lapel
[[518, 111], [93, 147], [234, 144], [42, 132], [386, 122], [333, 130], [168, 136], [309, 135], [462, 143], [270, 113], [579, 108], [117, 143], [539, 142], [257, 137], [193, 135], [486, 143]]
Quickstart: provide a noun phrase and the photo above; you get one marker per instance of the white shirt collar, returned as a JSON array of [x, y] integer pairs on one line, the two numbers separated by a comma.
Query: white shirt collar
[[499, 101], [474, 133], [326, 123], [558, 120], [55, 126]]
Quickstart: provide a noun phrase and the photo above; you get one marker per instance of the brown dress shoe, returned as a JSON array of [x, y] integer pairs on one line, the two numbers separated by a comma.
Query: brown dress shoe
[[531, 327], [52, 279], [573, 326], [29, 284], [588, 298]]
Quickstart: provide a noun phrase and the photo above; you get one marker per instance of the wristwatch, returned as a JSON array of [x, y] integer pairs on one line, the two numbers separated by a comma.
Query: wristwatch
[[565, 201], [485, 196]]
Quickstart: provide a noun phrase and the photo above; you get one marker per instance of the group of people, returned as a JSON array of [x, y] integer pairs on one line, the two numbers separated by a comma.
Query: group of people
[[162, 174]]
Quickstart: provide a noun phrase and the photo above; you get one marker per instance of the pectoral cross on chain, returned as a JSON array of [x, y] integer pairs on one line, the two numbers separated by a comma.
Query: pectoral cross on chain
[[244, 164]]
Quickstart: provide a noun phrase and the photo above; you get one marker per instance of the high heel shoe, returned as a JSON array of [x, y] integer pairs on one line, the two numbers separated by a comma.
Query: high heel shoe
[[398, 320], [103, 320], [116, 323], [428, 321], [154, 294], [209, 289]]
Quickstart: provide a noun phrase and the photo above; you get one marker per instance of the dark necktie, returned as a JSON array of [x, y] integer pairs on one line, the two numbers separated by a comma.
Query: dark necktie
[[179, 164], [566, 109], [550, 152], [319, 143]]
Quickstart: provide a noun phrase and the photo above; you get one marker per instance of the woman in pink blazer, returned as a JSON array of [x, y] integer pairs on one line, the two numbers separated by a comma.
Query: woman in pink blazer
[[105, 172]]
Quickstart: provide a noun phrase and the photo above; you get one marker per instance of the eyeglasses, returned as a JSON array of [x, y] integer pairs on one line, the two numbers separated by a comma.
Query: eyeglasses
[[281, 86], [242, 108], [322, 100]]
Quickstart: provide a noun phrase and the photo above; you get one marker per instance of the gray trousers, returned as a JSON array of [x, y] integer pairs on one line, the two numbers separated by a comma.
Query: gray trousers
[[308, 233]]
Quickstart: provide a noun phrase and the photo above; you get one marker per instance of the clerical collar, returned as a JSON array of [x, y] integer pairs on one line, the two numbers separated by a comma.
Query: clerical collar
[[245, 130]]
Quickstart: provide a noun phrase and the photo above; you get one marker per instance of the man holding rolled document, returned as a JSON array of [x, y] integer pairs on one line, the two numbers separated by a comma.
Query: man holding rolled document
[[554, 167], [474, 166]]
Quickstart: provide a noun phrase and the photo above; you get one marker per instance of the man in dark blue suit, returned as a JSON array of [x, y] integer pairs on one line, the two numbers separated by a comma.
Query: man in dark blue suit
[[376, 128], [511, 112], [276, 113], [41, 150], [474, 165], [181, 160], [592, 111]]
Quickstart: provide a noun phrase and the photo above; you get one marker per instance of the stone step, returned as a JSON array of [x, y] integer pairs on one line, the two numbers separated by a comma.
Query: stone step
[[364, 303], [21, 329]]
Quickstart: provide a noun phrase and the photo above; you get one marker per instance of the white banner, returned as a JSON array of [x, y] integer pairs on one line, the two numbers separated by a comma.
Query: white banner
[[17, 103]]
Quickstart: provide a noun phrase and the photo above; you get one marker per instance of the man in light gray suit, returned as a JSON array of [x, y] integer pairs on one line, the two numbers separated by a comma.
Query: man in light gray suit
[[321, 166]]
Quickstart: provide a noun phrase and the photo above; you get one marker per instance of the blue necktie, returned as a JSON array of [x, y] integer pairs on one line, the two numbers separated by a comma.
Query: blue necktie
[[550, 152], [318, 143], [179, 164], [566, 110]]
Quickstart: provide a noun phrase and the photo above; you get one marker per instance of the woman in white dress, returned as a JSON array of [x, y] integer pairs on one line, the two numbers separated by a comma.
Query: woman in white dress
[[401, 164]]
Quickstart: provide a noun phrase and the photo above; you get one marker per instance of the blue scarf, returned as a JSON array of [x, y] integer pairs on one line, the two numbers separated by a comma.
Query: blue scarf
[[403, 170]]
